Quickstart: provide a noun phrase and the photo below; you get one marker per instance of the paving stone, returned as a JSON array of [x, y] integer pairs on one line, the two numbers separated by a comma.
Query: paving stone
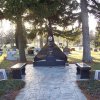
[[50, 83]]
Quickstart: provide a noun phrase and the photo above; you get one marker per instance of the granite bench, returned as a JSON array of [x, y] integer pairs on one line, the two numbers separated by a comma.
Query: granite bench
[[18, 70], [83, 70]]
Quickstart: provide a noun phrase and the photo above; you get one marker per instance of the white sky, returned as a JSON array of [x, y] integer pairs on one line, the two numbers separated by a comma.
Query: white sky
[[92, 23], [6, 25]]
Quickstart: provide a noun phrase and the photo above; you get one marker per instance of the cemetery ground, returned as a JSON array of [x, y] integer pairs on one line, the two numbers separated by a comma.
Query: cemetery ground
[[9, 88], [91, 88]]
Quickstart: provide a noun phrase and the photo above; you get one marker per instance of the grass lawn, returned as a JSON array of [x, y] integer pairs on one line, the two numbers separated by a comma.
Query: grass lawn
[[10, 88], [9, 85], [90, 88], [5, 64], [76, 56]]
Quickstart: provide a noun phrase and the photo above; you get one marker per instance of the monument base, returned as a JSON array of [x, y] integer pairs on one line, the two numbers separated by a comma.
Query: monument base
[[44, 63]]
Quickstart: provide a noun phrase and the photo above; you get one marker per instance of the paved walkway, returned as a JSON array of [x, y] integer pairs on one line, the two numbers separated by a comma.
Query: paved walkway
[[56, 83]]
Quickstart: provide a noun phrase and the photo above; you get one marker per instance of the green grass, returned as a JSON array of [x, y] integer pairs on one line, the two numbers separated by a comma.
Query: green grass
[[5, 64], [7, 86], [2, 57], [90, 88], [76, 56], [10, 85]]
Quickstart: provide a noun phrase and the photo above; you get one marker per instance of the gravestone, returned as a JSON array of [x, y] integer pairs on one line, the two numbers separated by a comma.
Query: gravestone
[[11, 55], [1, 52], [3, 75], [95, 50], [66, 50], [50, 55], [97, 75]]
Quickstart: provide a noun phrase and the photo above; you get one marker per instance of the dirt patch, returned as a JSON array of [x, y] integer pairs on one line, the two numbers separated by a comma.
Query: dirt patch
[[91, 89], [89, 96], [10, 96]]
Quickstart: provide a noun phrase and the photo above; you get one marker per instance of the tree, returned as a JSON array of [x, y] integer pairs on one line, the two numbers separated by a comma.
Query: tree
[[9, 38], [97, 37], [69, 35], [50, 14], [85, 30], [94, 7], [92, 38], [37, 32], [13, 10], [1, 13]]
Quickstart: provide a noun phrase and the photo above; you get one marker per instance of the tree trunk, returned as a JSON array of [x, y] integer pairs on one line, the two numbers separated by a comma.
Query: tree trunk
[[85, 30], [50, 32], [41, 41], [67, 42], [20, 40]]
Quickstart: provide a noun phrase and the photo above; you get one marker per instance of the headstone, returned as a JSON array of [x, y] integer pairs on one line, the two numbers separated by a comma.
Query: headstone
[[1, 52], [66, 50], [3, 75], [99, 49], [72, 49], [11, 55], [80, 48], [97, 75], [95, 50]]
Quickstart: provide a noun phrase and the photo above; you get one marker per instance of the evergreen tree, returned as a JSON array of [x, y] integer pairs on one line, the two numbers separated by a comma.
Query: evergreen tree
[[50, 14], [1, 13], [69, 35], [94, 7], [97, 37], [13, 10]]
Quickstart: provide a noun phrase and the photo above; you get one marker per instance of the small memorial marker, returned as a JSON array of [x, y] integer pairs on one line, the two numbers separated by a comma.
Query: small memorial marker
[[10, 55], [3, 75], [97, 74]]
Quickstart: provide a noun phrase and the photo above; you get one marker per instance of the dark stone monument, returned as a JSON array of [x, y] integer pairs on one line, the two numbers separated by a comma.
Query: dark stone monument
[[50, 55]]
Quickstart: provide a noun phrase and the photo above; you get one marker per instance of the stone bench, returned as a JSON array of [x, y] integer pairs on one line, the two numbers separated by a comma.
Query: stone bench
[[18, 70], [83, 70]]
